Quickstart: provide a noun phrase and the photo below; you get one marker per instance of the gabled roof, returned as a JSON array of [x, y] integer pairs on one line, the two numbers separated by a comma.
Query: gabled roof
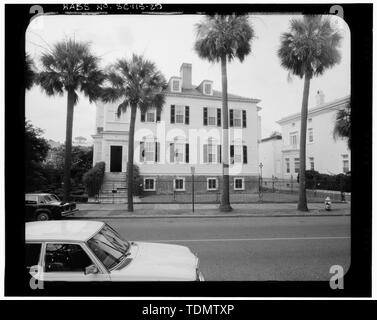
[[194, 92], [332, 105]]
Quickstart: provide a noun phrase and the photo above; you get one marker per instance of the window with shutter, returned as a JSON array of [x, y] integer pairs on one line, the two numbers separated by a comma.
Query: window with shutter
[[187, 153], [219, 153], [205, 116], [245, 154], [212, 113], [244, 122], [158, 117], [142, 116], [219, 117], [231, 154], [237, 118], [179, 114], [172, 113], [157, 152], [187, 115], [231, 117]]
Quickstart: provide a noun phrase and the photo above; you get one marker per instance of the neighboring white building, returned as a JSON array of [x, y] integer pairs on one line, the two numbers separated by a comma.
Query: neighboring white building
[[270, 156], [186, 133], [323, 153]]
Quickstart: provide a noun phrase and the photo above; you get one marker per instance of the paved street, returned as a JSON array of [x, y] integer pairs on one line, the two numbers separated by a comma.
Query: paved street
[[253, 248]]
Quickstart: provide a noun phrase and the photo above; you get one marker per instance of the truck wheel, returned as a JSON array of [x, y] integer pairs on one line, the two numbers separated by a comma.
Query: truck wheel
[[43, 216]]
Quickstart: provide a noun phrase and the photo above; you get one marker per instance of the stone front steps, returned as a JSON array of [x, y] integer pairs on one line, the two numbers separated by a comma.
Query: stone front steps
[[114, 181]]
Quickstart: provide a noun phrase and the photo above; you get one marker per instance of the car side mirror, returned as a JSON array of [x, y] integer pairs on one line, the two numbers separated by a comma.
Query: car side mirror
[[92, 269]]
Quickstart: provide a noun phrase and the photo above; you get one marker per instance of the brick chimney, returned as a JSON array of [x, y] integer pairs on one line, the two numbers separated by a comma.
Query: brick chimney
[[186, 75], [319, 98]]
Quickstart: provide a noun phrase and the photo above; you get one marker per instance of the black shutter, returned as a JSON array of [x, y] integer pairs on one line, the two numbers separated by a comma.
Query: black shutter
[[142, 116], [244, 154], [205, 116], [187, 153], [172, 114], [244, 118], [231, 154], [157, 152], [219, 117], [187, 115], [158, 116], [219, 153], [231, 117]]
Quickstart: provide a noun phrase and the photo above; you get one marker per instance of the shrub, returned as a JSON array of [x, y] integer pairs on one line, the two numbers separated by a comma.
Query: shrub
[[138, 182], [321, 181], [93, 179]]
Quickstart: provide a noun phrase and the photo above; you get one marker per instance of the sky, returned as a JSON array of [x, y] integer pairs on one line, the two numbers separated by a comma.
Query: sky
[[169, 41]]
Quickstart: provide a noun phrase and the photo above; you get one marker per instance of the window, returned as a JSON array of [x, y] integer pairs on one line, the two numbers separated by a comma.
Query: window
[[65, 258], [150, 116], [179, 152], [311, 163], [239, 184], [346, 163], [293, 139], [179, 114], [237, 118], [149, 184], [211, 151], [287, 166], [207, 88], [176, 85], [179, 184], [297, 165], [237, 154], [212, 115], [211, 183], [149, 151], [33, 251], [310, 135]]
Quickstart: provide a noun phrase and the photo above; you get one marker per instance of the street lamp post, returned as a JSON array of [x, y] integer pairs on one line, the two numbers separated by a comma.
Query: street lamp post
[[192, 182], [260, 181]]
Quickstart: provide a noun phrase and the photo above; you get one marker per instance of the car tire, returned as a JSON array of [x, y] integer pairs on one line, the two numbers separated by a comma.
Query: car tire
[[43, 216]]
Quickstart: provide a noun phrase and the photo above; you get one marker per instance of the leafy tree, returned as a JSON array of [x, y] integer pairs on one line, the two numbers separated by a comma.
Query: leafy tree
[[36, 149], [309, 48], [136, 84], [70, 67], [222, 38], [342, 128]]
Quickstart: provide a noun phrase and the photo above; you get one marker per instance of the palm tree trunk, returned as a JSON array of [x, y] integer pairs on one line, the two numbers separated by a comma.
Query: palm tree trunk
[[302, 202], [68, 146], [225, 204], [130, 163]]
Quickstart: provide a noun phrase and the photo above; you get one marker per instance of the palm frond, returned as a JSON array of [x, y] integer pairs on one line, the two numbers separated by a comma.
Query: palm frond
[[224, 35], [311, 46]]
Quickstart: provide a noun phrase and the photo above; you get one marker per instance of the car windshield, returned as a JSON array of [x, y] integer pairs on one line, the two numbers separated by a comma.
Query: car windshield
[[108, 247], [49, 198]]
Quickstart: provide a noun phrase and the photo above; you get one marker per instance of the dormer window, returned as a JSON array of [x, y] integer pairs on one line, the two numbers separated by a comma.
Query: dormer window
[[207, 88], [176, 85]]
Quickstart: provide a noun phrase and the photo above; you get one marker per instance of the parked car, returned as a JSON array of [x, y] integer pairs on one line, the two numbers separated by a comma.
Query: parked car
[[91, 251], [46, 206]]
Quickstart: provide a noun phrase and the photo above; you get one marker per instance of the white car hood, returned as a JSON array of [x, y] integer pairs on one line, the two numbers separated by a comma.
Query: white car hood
[[158, 262]]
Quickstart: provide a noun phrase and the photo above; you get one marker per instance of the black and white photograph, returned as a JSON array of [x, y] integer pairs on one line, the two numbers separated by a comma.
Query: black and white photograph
[[200, 145]]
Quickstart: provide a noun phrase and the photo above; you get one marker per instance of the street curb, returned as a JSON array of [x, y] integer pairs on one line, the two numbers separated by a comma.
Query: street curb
[[210, 216]]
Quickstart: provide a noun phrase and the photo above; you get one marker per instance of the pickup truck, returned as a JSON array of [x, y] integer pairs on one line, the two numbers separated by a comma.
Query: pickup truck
[[46, 206]]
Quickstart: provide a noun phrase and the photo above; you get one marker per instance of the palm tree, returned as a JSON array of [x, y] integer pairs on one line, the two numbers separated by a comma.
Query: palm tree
[[70, 67], [29, 72], [221, 38], [342, 127], [309, 48], [138, 84]]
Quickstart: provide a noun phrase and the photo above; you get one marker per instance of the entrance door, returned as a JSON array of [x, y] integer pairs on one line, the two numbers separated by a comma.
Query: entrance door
[[115, 158]]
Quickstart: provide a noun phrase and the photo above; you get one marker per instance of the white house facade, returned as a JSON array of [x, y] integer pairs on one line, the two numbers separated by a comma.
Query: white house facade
[[324, 153], [270, 156], [186, 133]]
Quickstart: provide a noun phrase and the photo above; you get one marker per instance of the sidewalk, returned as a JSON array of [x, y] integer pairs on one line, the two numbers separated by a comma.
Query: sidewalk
[[118, 211]]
